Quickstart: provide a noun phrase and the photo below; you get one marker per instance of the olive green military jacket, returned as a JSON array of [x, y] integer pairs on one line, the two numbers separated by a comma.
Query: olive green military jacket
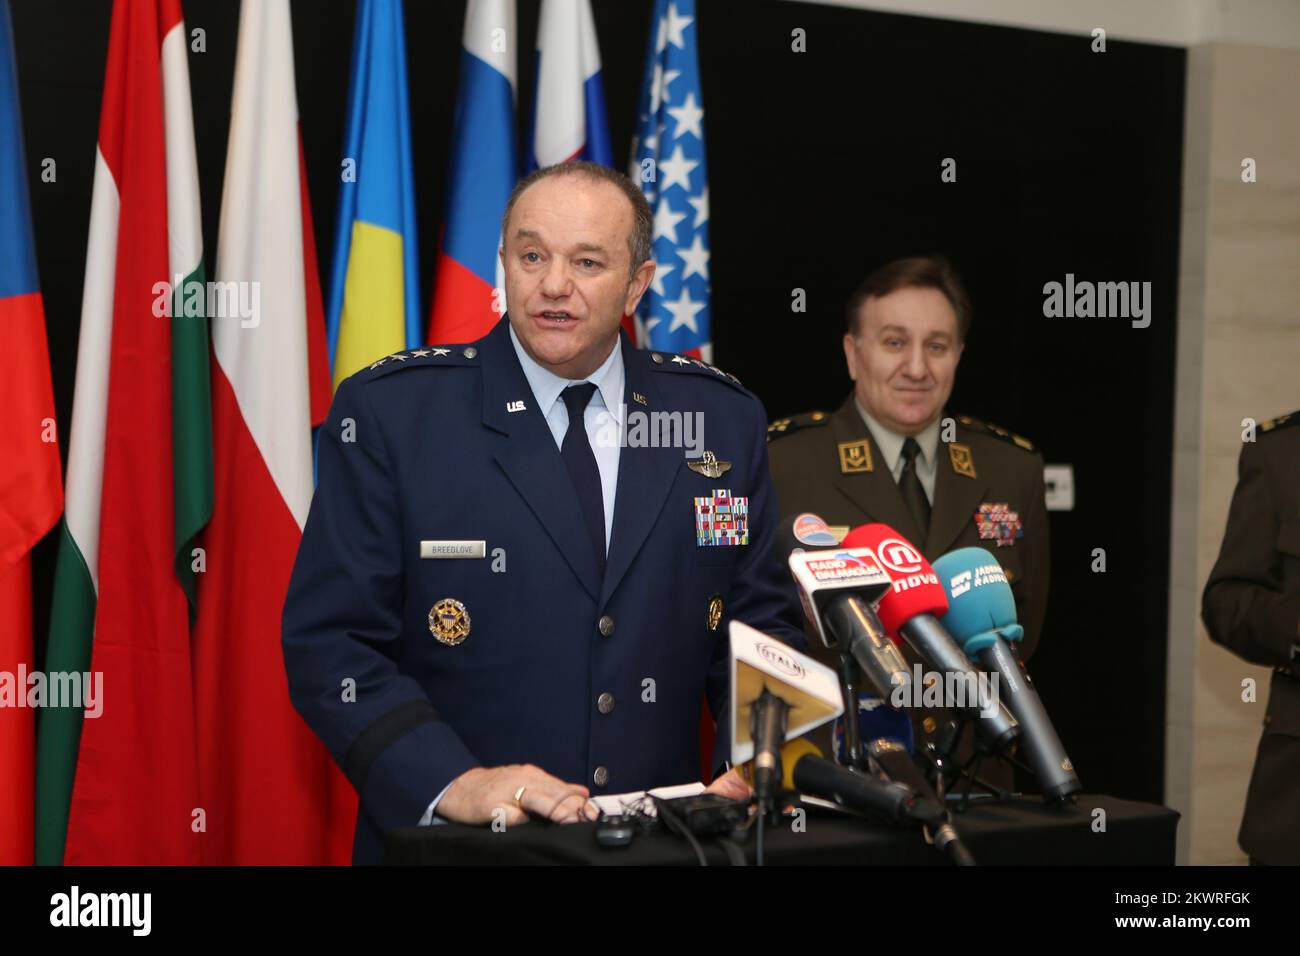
[[1251, 606]]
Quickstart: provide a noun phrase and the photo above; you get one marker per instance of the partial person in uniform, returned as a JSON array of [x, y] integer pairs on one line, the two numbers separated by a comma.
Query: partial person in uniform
[[504, 599], [892, 453], [1251, 606]]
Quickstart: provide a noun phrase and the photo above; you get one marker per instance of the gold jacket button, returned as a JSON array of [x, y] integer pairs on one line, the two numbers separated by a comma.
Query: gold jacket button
[[605, 703], [606, 626], [601, 776], [928, 725]]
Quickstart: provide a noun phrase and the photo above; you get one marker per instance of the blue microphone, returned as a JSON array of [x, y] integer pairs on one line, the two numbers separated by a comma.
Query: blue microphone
[[982, 619]]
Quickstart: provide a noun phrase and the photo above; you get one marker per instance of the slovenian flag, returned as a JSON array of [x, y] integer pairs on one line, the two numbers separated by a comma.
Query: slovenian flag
[[31, 493], [668, 162], [568, 118], [272, 793], [121, 784], [374, 302], [483, 171]]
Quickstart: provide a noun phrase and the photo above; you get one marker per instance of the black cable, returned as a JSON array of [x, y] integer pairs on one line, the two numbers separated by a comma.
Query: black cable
[[679, 827]]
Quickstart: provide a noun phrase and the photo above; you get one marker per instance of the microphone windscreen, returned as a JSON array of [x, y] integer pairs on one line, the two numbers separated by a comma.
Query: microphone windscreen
[[915, 588], [981, 607]]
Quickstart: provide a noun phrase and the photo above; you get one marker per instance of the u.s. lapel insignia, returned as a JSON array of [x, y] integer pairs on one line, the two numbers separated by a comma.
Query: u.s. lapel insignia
[[709, 466], [997, 522], [962, 461], [639, 398], [855, 457], [715, 612], [721, 519], [449, 622]]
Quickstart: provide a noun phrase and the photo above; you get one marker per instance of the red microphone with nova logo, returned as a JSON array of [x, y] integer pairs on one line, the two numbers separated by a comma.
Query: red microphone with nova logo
[[909, 608]]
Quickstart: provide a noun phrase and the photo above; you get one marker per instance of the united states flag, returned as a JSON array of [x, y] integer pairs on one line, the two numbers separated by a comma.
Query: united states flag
[[668, 161]]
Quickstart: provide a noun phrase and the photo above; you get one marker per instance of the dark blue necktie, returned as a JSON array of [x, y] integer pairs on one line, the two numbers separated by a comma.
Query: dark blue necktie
[[581, 462]]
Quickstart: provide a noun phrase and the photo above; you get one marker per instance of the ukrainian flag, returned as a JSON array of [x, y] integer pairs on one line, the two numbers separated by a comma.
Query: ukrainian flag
[[374, 307]]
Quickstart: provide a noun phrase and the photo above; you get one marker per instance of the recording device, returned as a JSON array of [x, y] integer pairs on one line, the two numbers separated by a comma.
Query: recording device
[[837, 587], [777, 693], [982, 619], [705, 814], [909, 608]]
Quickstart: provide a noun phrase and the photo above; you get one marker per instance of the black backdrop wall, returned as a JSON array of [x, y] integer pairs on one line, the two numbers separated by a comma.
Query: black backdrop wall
[[822, 165]]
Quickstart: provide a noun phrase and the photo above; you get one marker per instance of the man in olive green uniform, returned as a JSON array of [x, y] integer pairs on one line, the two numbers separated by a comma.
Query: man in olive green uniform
[[1251, 606], [892, 454]]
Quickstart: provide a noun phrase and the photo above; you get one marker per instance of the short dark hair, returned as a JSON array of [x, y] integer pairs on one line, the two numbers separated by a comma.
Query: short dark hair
[[914, 272], [642, 235]]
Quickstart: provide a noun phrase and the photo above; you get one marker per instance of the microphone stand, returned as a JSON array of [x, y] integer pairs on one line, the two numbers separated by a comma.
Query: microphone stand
[[849, 691]]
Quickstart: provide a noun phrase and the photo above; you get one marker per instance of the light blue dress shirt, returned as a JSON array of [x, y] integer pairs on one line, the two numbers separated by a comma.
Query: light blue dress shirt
[[604, 421]]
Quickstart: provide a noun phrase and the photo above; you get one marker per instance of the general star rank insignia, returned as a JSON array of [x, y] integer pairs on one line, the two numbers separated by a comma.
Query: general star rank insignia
[[962, 461], [997, 522], [449, 622], [855, 457], [721, 519], [709, 466]]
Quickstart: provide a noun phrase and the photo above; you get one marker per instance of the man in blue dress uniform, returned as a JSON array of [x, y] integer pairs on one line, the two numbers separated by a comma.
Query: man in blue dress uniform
[[514, 584]]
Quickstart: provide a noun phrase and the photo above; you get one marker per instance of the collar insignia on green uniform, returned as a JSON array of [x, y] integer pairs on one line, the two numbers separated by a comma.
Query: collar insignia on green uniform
[[855, 457], [963, 462]]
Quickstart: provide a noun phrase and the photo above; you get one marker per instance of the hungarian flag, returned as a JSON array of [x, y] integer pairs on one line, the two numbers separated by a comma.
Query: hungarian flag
[[122, 783], [31, 494], [272, 793], [483, 172]]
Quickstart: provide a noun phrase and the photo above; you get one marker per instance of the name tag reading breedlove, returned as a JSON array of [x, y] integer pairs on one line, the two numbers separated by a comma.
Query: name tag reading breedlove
[[453, 549]]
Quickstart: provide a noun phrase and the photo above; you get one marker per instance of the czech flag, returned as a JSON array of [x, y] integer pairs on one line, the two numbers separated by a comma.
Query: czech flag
[[31, 494], [374, 303], [483, 171]]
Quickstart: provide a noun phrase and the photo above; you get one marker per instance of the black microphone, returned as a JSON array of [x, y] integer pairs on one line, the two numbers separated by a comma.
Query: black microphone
[[818, 777], [767, 722], [896, 765]]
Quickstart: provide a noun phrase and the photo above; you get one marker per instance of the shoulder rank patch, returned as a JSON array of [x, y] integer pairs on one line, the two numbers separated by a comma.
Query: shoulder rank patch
[[1282, 421], [425, 356], [784, 426], [666, 361], [996, 431]]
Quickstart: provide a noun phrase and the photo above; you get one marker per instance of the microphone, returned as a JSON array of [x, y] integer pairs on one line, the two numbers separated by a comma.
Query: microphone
[[865, 793], [837, 587], [767, 723], [897, 766], [791, 752], [982, 618], [909, 608], [776, 693]]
